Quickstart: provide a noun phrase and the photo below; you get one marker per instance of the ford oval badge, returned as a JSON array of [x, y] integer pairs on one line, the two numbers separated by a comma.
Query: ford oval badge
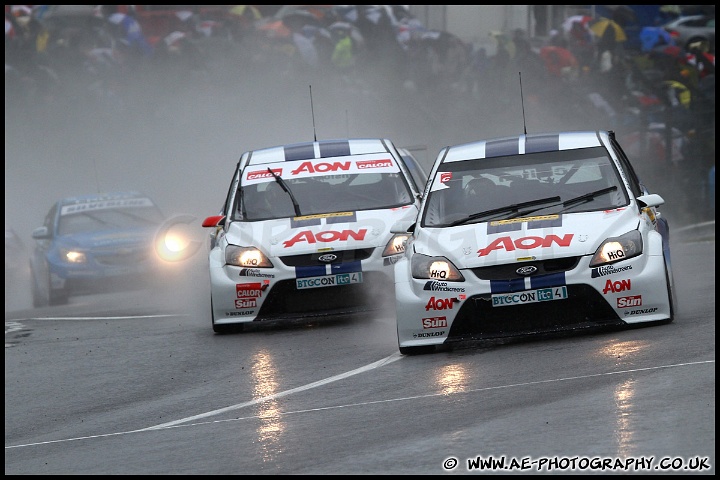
[[526, 270], [328, 257]]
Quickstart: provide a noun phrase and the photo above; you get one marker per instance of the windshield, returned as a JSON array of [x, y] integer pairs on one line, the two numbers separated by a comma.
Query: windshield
[[291, 189], [108, 219], [544, 183]]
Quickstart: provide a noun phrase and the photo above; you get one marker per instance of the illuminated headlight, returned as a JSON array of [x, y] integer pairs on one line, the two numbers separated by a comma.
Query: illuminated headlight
[[73, 256], [246, 257], [616, 249], [396, 244], [436, 268], [172, 247]]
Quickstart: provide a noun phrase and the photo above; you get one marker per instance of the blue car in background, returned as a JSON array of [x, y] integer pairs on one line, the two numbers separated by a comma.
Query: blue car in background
[[93, 244]]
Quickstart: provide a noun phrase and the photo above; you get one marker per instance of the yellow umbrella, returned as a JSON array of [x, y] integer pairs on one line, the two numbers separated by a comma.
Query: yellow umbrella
[[251, 10], [600, 26]]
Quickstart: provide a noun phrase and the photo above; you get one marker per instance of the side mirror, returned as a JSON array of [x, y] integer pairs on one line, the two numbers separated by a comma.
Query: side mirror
[[41, 233], [650, 200], [214, 221]]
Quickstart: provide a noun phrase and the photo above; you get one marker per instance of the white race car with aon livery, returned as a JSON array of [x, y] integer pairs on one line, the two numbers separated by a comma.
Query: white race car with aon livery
[[532, 234], [305, 231]]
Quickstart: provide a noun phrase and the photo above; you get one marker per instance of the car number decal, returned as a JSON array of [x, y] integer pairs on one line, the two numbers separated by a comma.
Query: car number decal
[[329, 280], [529, 296]]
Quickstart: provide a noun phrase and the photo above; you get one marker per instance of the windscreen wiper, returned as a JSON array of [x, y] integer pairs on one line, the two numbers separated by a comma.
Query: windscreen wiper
[[587, 197], [280, 181], [568, 203], [508, 208]]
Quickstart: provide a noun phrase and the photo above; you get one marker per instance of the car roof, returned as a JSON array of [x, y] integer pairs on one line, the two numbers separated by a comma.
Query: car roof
[[101, 197], [524, 143], [316, 150]]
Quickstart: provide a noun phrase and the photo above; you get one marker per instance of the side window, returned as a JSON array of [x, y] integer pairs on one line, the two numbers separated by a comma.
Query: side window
[[230, 199], [50, 219], [635, 184]]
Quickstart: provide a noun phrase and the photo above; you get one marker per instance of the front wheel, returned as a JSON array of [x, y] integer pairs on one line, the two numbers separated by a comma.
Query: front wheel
[[223, 329], [39, 298], [672, 297]]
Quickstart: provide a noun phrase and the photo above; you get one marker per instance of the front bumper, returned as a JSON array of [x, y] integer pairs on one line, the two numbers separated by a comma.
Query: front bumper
[[435, 313]]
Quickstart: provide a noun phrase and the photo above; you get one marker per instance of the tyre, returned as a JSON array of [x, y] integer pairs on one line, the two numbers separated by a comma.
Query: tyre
[[672, 296], [58, 297], [43, 295], [223, 329], [417, 350], [39, 299]]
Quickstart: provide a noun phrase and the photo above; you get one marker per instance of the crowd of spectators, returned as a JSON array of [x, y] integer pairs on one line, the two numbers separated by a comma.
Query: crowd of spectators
[[104, 56]]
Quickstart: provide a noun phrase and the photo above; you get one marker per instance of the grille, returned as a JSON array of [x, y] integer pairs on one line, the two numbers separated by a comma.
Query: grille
[[118, 259], [286, 301], [508, 271], [311, 259], [584, 307]]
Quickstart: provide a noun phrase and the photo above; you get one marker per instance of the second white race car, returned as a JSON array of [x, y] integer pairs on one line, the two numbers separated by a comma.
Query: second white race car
[[305, 231]]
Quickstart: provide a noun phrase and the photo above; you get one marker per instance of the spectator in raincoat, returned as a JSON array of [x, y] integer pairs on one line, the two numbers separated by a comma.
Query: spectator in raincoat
[[343, 56]]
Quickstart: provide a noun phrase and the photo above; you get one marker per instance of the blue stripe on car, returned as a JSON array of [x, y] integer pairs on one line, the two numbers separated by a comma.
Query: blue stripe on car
[[503, 227], [351, 217], [348, 267], [550, 280], [507, 286], [307, 271], [297, 222], [321, 270], [545, 223]]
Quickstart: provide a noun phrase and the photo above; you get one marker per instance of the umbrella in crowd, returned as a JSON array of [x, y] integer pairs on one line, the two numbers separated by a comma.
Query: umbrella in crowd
[[583, 20], [607, 28], [651, 37]]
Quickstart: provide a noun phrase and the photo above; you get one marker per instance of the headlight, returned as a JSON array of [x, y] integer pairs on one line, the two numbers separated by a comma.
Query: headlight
[[616, 249], [172, 247], [436, 268], [396, 244], [246, 257], [72, 256]]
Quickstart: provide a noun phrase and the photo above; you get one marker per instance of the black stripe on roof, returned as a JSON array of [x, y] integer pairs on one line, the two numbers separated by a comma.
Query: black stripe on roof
[[334, 149], [542, 143], [501, 148], [304, 151]]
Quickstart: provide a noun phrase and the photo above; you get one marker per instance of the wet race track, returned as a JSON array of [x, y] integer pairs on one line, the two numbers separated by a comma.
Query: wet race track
[[137, 383]]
